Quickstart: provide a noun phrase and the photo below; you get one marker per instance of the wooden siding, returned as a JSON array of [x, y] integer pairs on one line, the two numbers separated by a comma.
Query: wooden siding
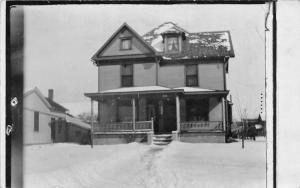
[[211, 76], [43, 136], [33, 103], [110, 77], [171, 76], [215, 109], [113, 49], [144, 74]]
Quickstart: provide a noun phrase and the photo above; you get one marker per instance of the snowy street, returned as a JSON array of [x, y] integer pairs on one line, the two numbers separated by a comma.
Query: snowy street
[[140, 165]]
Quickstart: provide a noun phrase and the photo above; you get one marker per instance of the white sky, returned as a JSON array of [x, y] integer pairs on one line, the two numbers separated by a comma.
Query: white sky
[[60, 40]]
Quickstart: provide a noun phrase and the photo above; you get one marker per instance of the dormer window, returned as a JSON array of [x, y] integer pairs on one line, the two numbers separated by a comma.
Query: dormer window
[[126, 43], [172, 44]]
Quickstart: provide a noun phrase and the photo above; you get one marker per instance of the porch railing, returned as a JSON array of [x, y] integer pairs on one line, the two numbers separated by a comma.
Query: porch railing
[[123, 126], [201, 126]]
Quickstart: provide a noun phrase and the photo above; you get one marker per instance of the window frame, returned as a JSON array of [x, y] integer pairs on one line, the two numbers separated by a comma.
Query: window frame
[[191, 76], [166, 44], [36, 120], [122, 39], [128, 76]]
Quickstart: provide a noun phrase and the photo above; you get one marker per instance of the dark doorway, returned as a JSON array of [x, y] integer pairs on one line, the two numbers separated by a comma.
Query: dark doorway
[[52, 129], [152, 112], [169, 115], [163, 112]]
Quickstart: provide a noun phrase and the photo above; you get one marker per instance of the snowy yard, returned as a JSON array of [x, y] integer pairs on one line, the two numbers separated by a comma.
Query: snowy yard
[[182, 165]]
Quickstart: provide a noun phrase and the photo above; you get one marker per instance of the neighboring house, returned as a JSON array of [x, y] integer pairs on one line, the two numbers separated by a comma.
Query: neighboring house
[[166, 81], [258, 124], [45, 121]]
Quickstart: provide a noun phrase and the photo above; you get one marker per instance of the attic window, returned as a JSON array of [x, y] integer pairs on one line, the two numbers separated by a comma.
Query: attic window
[[172, 44], [126, 43]]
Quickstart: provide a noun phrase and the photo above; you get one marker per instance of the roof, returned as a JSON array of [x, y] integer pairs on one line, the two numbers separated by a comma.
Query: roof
[[55, 106], [77, 122], [153, 90], [39, 94], [52, 105], [136, 89], [196, 45], [97, 55]]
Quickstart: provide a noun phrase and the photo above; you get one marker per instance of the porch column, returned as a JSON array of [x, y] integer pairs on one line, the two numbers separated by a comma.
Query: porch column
[[133, 113], [92, 121], [178, 113], [223, 114]]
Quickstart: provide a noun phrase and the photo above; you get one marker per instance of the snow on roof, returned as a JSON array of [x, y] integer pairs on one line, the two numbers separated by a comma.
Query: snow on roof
[[167, 27], [196, 45], [77, 122], [136, 89], [193, 89]]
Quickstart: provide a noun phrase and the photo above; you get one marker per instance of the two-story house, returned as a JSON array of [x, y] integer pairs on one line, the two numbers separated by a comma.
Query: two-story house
[[168, 81]]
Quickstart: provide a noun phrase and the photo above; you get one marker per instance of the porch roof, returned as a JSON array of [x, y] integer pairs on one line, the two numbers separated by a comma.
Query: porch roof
[[154, 90]]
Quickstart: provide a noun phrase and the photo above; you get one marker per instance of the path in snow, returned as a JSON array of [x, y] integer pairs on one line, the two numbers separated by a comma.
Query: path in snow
[[138, 165]]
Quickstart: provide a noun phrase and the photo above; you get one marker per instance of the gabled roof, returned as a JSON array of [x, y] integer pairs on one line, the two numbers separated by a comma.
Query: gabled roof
[[52, 105], [39, 94], [195, 45], [123, 26], [56, 107]]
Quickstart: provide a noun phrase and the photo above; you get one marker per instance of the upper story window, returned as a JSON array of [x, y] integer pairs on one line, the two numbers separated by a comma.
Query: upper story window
[[191, 72], [126, 43], [127, 75], [172, 44]]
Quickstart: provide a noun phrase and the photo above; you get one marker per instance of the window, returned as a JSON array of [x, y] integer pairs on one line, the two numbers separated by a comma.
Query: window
[[191, 72], [125, 44], [124, 110], [127, 75], [172, 44], [36, 121], [197, 109]]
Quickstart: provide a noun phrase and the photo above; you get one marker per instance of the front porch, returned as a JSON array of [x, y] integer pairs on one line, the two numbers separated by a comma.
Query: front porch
[[136, 113]]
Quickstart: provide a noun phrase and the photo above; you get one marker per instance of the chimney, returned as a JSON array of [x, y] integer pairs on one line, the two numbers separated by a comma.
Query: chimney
[[50, 94]]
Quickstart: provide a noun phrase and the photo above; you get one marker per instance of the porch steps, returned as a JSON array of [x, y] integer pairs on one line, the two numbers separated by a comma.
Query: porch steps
[[162, 139]]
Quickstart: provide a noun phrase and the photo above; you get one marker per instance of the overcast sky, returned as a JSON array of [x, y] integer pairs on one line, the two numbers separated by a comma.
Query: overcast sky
[[60, 40]]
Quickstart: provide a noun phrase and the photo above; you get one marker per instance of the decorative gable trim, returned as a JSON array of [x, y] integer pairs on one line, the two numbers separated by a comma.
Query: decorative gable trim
[[123, 26]]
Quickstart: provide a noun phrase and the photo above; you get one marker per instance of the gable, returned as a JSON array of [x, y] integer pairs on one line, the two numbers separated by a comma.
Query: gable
[[112, 48], [34, 102]]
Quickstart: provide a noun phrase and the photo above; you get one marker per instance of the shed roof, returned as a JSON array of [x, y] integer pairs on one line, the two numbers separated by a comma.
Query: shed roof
[[155, 90], [77, 122]]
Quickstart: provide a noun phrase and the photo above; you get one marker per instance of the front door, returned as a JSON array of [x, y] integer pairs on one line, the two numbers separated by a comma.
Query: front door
[[169, 115], [163, 112]]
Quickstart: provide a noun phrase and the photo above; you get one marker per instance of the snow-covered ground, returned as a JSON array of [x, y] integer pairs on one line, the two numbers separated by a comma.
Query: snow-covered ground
[[182, 165]]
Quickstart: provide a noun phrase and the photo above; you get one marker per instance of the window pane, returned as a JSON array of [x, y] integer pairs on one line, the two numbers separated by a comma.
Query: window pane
[[127, 81], [127, 70], [191, 70], [126, 44], [172, 44], [192, 81]]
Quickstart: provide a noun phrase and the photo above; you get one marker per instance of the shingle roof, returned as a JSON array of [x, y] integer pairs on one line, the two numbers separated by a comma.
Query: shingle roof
[[55, 106], [196, 45]]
